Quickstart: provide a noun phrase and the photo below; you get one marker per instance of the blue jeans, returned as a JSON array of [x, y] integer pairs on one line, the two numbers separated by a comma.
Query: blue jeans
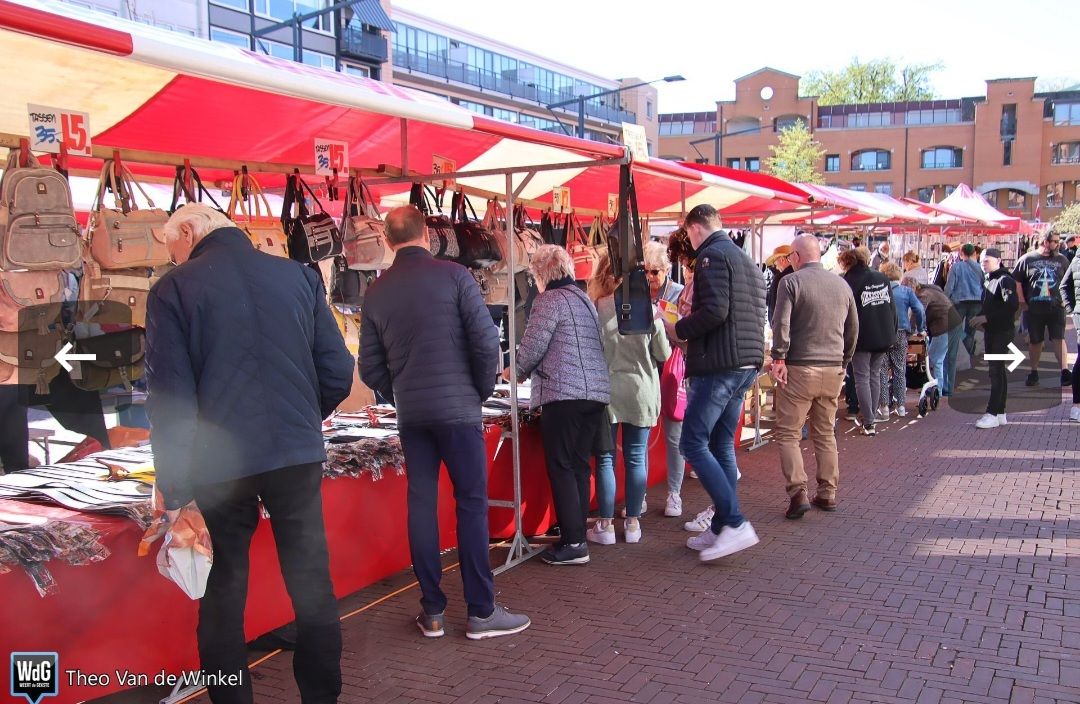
[[635, 443], [939, 345], [713, 406]]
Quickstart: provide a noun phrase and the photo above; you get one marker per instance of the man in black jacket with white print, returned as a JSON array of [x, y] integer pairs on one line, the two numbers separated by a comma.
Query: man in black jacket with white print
[[1000, 304]]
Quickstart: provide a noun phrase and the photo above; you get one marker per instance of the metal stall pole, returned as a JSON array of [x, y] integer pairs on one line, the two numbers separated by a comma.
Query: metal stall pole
[[757, 234]]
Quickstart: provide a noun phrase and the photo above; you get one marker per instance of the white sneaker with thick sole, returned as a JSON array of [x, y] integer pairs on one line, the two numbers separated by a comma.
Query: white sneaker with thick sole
[[702, 540], [701, 522], [1074, 414], [987, 421], [602, 532], [673, 508], [632, 530], [1002, 420], [730, 541]]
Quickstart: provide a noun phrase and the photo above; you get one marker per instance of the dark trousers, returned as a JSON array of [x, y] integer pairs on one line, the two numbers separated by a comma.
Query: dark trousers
[[292, 497], [14, 436], [568, 429], [851, 394], [462, 449], [997, 343], [1076, 380]]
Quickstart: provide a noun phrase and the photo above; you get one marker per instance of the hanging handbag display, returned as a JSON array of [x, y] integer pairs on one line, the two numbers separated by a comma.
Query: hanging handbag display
[[125, 236], [524, 241], [442, 239], [101, 295], [313, 234], [477, 245], [117, 360], [527, 231], [262, 227], [26, 294], [349, 285], [189, 186], [581, 252], [498, 288], [633, 300], [364, 235], [598, 233], [554, 228], [38, 229], [28, 356]]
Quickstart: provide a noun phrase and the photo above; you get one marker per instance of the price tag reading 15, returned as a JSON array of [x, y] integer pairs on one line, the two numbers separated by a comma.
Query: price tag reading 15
[[51, 127]]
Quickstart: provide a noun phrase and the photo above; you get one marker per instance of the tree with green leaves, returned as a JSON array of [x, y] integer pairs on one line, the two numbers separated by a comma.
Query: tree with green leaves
[[876, 81], [796, 156], [1069, 220]]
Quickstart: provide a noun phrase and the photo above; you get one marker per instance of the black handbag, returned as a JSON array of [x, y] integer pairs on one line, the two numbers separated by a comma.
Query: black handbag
[[553, 228], [118, 360], [477, 245], [633, 302], [189, 186], [442, 239], [313, 236], [349, 285]]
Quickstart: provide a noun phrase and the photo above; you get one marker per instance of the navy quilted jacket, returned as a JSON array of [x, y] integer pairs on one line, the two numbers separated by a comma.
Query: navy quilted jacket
[[243, 362], [427, 341]]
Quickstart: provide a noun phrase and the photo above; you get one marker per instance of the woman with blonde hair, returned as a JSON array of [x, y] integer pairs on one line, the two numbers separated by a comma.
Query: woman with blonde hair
[[635, 406], [894, 372], [913, 268]]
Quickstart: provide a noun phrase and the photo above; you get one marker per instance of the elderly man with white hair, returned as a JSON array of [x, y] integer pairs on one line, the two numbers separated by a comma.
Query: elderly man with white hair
[[243, 362]]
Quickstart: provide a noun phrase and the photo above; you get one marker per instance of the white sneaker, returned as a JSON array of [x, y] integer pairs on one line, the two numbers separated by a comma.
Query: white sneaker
[[602, 532], [644, 508], [702, 540], [987, 421], [674, 506], [730, 541], [1074, 414], [1002, 420], [632, 528], [693, 474], [882, 415], [901, 411], [702, 521]]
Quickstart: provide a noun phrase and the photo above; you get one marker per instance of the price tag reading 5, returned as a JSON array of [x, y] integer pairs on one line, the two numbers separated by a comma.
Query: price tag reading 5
[[51, 127]]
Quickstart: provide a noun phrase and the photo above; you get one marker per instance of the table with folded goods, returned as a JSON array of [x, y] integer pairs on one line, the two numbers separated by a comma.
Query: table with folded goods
[[71, 582]]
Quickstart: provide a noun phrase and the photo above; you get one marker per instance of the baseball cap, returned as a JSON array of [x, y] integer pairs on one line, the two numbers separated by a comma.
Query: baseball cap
[[992, 252]]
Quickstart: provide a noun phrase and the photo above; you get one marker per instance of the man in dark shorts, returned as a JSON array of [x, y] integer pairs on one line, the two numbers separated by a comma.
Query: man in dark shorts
[[1038, 276]]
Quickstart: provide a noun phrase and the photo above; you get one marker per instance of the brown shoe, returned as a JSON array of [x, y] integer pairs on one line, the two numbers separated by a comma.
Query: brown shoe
[[824, 504], [798, 506]]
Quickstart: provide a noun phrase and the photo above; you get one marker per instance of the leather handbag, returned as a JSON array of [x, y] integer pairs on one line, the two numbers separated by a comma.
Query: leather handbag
[[477, 245], [313, 234], [118, 360], [553, 228], [581, 251], [189, 186], [598, 233], [114, 297], [498, 287], [30, 295], [349, 285], [28, 356], [442, 239], [524, 241], [125, 236], [364, 235], [527, 231], [262, 228], [38, 229], [633, 300]]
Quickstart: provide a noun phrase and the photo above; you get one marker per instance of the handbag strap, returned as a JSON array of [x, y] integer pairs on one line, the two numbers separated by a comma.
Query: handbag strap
[[630, 231], [580, 236], [293, 206]]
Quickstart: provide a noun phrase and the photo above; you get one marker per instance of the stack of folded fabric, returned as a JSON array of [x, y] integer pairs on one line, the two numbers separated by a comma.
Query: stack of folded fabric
[[370, 455], [30, 544]]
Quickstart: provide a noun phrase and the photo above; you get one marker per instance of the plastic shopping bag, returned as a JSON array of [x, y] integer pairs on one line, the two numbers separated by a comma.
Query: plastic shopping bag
[[186, 555]]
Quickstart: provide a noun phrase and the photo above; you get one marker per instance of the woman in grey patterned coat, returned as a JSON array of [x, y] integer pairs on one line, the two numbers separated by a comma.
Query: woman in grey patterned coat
[[562, 352]]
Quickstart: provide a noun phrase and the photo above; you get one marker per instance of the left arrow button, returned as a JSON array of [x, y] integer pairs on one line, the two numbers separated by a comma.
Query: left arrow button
[[65, 357]]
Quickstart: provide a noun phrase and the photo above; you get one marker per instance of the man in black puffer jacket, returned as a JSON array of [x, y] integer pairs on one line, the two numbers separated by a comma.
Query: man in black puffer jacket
[[725, 335], [243, 362], [428, 344], [877, 332]]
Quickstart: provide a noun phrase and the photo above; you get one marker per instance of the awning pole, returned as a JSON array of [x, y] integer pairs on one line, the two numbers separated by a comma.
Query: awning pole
[[404, 145]]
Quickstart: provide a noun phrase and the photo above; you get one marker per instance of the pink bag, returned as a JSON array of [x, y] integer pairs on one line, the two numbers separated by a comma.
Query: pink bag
[[672, 391]]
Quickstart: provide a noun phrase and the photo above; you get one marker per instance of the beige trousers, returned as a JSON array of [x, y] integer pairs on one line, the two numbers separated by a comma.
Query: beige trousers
[[810, 396]]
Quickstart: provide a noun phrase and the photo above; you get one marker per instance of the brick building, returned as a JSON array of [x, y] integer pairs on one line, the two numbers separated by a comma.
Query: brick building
[[1019, 148]]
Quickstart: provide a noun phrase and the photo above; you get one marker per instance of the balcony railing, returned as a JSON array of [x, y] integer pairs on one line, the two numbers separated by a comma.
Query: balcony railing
[[366, 45], [488, 81], [1070, 159]]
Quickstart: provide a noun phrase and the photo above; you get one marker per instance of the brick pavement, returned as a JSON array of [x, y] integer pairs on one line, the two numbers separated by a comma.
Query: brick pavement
[[950, 574]]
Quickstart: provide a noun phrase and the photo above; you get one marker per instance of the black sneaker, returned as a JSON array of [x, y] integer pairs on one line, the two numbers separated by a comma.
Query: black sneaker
[[1032, 379], [1066, 377], [570, 554], [869, 430]]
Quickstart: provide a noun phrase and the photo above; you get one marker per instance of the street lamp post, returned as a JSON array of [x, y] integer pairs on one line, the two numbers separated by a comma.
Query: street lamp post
[[581, 99], [717, 138]]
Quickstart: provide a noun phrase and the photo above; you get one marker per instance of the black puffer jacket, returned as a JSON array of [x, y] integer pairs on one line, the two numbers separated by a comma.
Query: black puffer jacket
[[873, 300], [1070, 286], [427, 341], [243, 361], [726, 325]]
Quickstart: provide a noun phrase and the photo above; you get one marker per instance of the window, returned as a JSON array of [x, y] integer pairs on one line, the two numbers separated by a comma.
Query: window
[[885, 188], [285, 9], [1008, 121], [743, 125], [871, 160], [869, 119], [281, 51], [787, 121], [1017, 199], [1067, 113], [734, 164], [354, 70], [235, 4], [938, 116], [832, 162], [991, 198], [648, 109], [857, 187], [1055, 194], [949, 190], [225, 36], [504, 115], [1006, 153], [753, 163], [701, 160], [925, 194], [1065, 153], [827, 121], [320, 60], [942, 158], [478, 108]]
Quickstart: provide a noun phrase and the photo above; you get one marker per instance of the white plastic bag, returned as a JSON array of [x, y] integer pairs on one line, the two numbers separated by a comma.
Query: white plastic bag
[[188, 567]]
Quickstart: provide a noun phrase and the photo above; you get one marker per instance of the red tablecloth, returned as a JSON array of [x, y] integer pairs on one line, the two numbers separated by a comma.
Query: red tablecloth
[[121, 614]]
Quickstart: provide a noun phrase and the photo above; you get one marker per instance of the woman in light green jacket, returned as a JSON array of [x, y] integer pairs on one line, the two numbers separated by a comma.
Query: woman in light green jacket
[[635, 405]]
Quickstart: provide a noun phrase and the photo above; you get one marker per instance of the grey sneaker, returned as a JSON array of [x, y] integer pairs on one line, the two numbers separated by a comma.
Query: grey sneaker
[[431, 625], [500, 623]]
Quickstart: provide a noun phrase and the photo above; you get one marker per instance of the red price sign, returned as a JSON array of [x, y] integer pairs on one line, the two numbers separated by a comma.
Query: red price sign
[[331, 156], [51, 127]]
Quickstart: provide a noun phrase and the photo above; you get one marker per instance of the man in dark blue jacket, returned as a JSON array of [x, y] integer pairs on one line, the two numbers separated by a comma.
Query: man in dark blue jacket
[[243, 362], [725, 334], [428, 344]]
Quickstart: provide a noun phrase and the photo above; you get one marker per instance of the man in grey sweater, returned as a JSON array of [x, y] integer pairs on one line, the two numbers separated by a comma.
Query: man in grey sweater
[[815, 328]]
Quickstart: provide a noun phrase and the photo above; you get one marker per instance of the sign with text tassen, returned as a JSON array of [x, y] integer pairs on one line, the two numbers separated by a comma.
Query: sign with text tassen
[[51, 127], [560, 199], [635, 139], [442, 165], [331, 156], [612, 205]]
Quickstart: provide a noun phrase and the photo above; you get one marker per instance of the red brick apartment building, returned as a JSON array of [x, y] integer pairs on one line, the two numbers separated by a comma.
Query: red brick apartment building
[[1019, 148]]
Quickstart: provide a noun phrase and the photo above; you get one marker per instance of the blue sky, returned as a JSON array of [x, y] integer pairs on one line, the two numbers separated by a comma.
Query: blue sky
[[712, 42]]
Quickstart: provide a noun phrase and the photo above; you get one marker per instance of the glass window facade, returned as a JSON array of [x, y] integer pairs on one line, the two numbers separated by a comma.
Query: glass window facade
[[925, 194], [1066, 153], [235, 4], [226, 36], [320, 60], [871, 160], [937, 116], [1017, 200], [1055, 194], [832, 162], [857, 187], [698, 125], [787, 121], [284, 9], [943, 158], [734, 163], [753, 163], [269, 46], [1067, 113], [885, 188]]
